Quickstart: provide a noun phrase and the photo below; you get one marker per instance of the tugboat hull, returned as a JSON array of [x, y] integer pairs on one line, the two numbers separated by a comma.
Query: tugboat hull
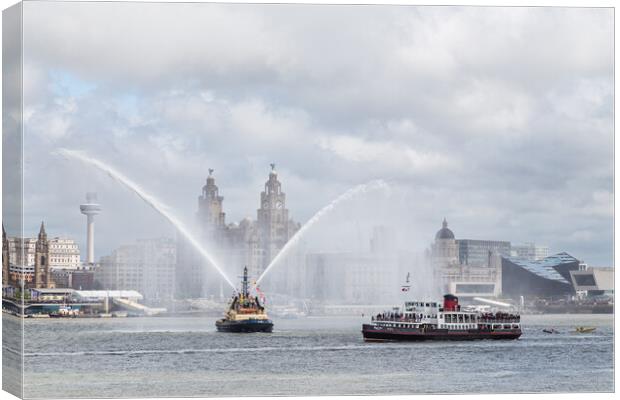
[[374, 333], [244, 326]]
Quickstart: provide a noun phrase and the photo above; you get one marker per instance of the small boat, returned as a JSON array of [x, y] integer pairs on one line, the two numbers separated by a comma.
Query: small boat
[[550, 330], [585, 329], [245, 313]]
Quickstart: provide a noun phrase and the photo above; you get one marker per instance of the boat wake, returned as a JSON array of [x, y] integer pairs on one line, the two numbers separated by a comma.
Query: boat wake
[[197, 351]]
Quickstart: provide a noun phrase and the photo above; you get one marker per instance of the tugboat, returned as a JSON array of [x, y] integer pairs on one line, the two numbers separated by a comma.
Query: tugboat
[[433, 321], [245, 313]]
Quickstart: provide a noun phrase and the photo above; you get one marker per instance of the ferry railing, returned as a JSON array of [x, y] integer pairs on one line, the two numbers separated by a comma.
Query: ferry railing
[[499, 321]]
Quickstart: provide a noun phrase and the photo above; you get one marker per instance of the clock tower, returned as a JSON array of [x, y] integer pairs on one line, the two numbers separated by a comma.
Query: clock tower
[[273, 223]]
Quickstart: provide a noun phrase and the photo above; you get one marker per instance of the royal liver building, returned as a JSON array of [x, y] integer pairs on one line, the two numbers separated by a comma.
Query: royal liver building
[[251, 243]]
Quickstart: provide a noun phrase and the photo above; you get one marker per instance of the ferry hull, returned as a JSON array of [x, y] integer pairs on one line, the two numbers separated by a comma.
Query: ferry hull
[[244, 326], [371, 333]]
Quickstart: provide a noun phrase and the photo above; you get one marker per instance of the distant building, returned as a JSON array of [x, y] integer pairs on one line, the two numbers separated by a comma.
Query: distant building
[[82, 279], [79, 279], [529, 251], [351, 278], [64, 253], [148, 266], [445, 250], [251, 243], [593, 281], [550, 276], [355, 278], [466, 267], [479, 253], [21, 251], [28, 261]]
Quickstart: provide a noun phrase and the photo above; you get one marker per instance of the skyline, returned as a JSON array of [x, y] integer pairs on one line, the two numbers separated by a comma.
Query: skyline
[[508, 136]]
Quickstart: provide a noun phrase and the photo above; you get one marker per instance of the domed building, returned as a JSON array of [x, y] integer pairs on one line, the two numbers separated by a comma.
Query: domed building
[[445, 250], [466, 267], [444, 232]]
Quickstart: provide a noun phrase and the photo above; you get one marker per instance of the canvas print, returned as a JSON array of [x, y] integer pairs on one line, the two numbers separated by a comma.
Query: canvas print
[[211, 200]]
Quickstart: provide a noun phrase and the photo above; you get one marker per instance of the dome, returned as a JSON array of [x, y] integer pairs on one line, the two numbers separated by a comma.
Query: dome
[[444, 232]]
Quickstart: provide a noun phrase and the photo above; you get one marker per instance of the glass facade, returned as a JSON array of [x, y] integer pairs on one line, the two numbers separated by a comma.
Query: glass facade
[[547, 277], [478, 253]]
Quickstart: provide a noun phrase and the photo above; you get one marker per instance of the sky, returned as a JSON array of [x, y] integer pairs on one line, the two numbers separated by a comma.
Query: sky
[[498, 119]]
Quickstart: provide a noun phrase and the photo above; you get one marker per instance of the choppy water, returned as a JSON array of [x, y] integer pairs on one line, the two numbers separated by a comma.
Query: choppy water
[[149, 357]]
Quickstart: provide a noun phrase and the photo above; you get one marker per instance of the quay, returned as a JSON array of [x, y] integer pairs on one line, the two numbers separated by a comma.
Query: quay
[[61, 302]]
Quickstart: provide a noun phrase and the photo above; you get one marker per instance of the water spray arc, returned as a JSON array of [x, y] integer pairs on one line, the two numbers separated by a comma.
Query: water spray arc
[[148, 199], [355, 191]]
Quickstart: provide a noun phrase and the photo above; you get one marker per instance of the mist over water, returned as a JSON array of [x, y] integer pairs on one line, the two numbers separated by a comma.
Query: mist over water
[[157, 205], [355, 191], [344, 228]]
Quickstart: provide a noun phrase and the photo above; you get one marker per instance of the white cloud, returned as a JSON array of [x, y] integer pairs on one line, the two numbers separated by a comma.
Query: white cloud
[[496, 116]]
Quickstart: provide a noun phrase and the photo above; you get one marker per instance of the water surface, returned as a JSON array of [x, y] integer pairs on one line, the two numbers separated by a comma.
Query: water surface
[[149, 357]]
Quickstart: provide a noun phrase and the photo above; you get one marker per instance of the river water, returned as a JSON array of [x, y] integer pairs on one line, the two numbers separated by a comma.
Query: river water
[[151, 357]]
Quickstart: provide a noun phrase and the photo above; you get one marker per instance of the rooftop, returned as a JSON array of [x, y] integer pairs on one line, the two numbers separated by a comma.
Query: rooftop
[[544, 268]]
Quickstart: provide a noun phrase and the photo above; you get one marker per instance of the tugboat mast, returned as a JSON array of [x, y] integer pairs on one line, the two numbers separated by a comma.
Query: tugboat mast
[[245, 288]]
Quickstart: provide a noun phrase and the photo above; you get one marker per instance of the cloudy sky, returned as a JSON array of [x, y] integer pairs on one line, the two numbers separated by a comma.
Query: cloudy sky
[[499, 119]]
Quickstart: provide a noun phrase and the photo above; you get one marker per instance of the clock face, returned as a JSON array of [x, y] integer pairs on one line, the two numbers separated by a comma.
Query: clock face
[[279, 204], [265, 204]]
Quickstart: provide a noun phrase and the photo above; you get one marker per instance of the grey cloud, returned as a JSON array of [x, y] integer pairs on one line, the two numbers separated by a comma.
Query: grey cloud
[[483, 115]]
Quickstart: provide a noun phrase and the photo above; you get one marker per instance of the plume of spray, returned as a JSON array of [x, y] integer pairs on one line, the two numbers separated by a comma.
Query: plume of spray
[[148, 199], [351, 193]]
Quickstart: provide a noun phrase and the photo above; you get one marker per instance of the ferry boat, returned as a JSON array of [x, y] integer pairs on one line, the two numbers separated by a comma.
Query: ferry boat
[[435, 321], [245, 313]]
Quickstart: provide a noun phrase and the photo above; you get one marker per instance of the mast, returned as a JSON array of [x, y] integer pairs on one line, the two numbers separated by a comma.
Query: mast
[[245, 289]]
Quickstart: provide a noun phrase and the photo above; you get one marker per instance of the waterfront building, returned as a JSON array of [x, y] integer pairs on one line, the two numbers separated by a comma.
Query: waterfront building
[[479, 253], [272, 219], [529, 251], [593, 281], [550, 276], [42, 269], [466, 267], [82, 279], [21, 251], [251, 243], [64, 253], [445, 250], [147, 266], [27, 261]]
